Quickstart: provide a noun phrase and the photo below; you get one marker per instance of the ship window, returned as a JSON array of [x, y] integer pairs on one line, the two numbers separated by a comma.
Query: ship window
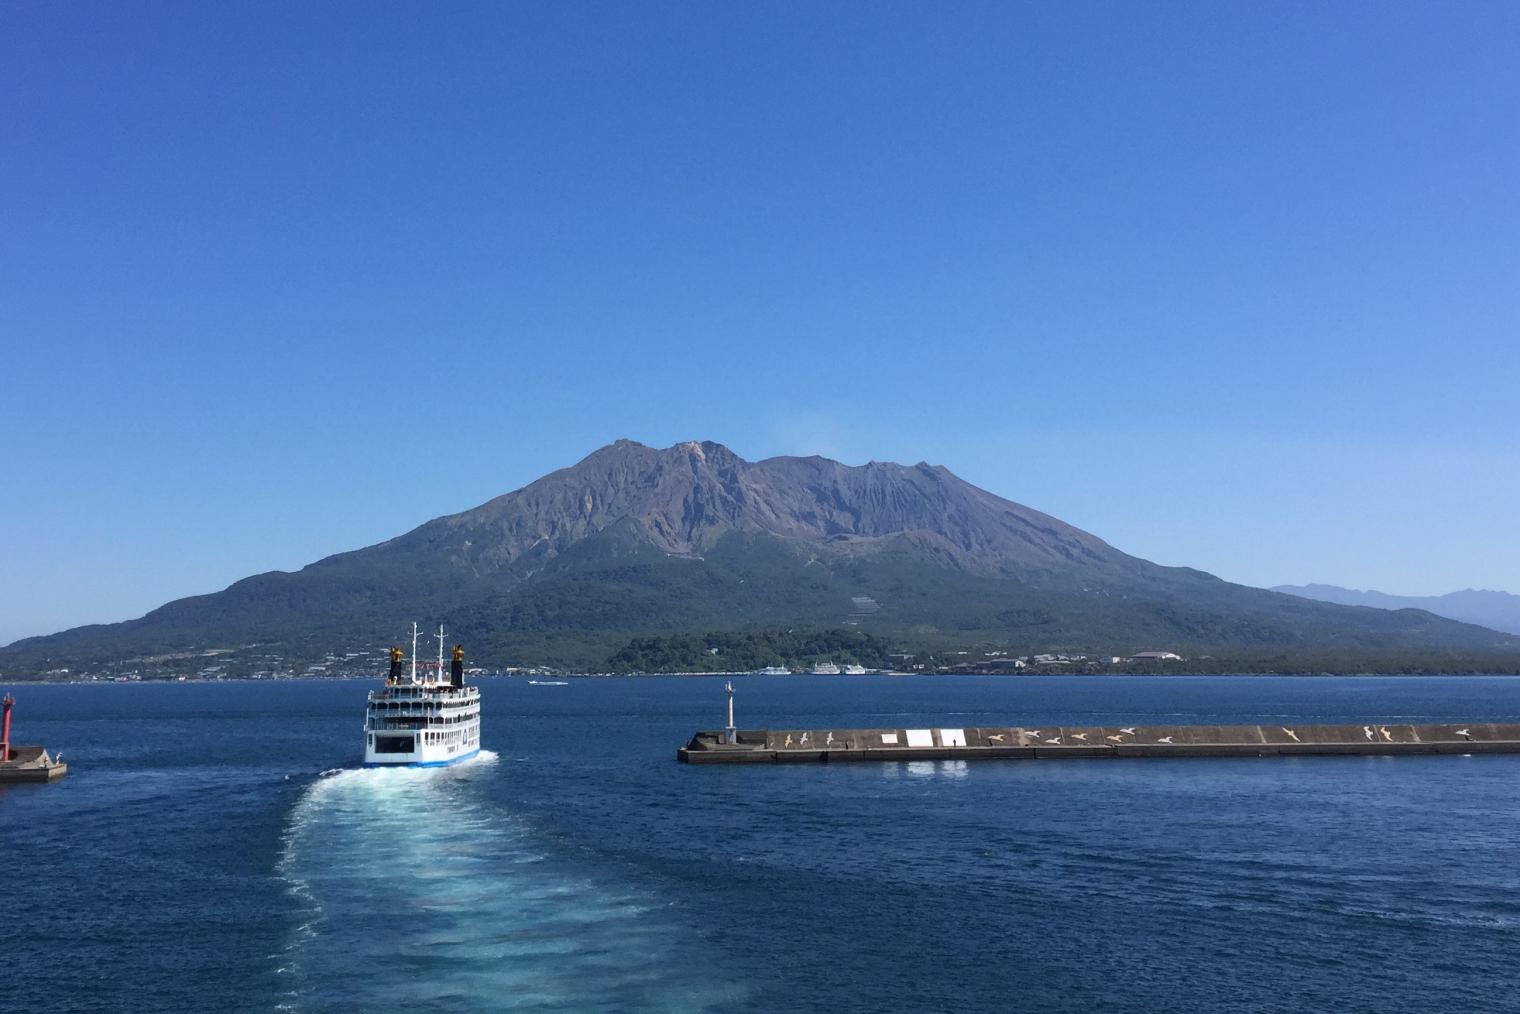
[[393, 744]]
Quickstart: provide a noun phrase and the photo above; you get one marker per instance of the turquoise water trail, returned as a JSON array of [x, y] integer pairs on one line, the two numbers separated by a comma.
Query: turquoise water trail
[[417, 891]]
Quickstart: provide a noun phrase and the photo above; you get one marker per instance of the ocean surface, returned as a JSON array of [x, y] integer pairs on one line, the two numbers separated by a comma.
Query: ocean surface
[[216, 848]]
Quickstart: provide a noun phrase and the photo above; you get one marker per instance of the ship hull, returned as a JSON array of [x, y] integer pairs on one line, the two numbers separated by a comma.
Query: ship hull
[[448, 763]]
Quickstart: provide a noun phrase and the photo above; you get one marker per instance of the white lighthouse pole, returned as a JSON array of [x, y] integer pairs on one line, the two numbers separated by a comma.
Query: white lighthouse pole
[[730, 734]]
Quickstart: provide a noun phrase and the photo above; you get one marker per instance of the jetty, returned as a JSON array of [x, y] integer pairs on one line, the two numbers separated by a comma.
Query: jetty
[[24, 763], [732, 745]]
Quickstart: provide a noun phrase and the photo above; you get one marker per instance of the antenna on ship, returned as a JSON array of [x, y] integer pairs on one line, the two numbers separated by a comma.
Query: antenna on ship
[[414, 652], [438, 676]]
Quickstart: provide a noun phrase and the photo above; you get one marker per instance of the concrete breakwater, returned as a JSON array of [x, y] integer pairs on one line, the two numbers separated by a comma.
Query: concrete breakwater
[[765, 746]]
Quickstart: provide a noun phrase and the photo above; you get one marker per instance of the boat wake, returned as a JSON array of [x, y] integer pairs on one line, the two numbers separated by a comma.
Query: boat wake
[[415, 891]]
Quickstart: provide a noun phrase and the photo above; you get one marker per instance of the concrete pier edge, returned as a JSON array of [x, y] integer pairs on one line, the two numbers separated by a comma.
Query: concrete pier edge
[[765, 746]]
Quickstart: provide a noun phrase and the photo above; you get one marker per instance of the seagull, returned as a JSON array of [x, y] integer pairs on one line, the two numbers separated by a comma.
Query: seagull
[[995, 739], [1465, 733], [1368, 730], [1165, 739], [788, 740], [1386, 734], [1128, 732], [803, 740], [1291, 734], [1116, 739], [830, 740], [1056, 741], [1079, 735], [1035, 733]]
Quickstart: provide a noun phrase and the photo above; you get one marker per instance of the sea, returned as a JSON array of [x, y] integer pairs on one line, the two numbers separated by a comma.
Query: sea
[[216, 847]]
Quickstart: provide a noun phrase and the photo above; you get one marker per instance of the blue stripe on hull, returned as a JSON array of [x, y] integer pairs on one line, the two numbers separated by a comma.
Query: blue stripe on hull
[[426, 764]]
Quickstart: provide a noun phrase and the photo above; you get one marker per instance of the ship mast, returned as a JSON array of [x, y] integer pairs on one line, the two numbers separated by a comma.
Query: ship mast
[[438, 676], [414, 652]]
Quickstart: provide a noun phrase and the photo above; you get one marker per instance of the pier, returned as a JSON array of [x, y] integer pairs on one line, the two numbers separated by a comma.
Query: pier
[[24, 763], [1053, 742]]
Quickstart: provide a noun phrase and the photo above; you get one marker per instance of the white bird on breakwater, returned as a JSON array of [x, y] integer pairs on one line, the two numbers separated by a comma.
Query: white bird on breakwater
[[1386, 734], [1165, 739], [1079, 735], [1291, 734], [1465, 733], [995, 739], [803, 740], [1128, 732], [1116, 739], [1056, 741], [1368, 730]]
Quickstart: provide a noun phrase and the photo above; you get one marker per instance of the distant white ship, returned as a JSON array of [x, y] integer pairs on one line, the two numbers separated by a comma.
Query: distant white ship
[[773, 670], [421, 722], [854, 670], [825, 669]]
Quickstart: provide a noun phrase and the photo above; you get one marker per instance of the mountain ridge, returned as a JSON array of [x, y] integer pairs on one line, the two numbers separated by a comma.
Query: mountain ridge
[[1497, 610], [636, 540]]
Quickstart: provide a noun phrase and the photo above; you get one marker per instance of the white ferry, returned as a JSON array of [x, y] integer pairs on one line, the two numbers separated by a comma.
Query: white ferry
[[420, 722], [825, 669], [773, 670]]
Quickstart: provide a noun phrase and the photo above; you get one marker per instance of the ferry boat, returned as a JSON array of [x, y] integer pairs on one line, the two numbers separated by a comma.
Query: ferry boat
[[773, 670], [825, 669], [420, 722]]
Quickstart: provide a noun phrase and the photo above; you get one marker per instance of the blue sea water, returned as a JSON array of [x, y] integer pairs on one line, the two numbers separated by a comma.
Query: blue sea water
[[216, 847]]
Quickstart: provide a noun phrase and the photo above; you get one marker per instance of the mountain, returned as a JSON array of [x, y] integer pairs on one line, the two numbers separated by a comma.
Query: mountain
[[639, 541], [1496, 609]]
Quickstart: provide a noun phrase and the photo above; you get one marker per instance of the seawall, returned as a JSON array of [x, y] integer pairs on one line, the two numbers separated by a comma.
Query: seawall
[[765, 746]]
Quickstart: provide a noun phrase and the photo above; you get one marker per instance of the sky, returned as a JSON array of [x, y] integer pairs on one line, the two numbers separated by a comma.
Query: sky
[[1231, 285]]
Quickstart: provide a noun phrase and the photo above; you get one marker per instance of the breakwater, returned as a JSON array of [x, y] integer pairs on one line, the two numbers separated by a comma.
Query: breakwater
[[766, 746]]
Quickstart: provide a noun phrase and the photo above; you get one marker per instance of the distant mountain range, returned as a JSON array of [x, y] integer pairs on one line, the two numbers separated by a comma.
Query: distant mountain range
[[639, 541], [1495, 609]]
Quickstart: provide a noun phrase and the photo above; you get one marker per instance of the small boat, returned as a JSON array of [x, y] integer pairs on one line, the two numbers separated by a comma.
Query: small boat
[[421, 722]]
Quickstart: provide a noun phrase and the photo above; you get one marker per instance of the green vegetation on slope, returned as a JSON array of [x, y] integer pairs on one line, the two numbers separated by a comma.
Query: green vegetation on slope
[[745, 652]]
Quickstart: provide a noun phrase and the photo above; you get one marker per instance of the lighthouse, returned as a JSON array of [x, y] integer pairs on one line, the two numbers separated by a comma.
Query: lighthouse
[[730, 734]]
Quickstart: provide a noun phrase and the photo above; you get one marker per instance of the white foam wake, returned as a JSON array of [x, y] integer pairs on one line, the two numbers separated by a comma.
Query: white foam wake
[[416, 891]]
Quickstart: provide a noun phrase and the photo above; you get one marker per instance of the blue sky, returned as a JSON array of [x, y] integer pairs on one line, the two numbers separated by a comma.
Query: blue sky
[[1231, 285]]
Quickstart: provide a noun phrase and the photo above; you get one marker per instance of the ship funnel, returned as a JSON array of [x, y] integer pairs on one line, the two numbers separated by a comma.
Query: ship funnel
[[395, 673], [456, 666]]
